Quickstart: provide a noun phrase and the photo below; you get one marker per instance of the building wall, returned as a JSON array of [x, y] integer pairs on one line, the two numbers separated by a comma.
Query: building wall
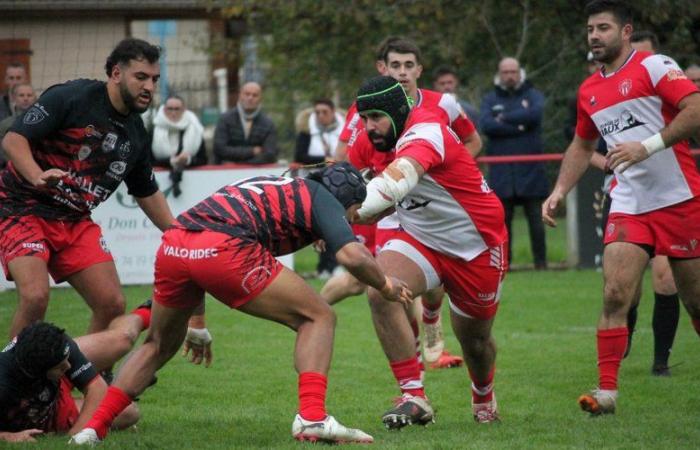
[[67, 49]]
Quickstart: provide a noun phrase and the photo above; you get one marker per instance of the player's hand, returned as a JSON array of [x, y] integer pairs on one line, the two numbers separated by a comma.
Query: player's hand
[[319, 246], [549, 208], [22, 436], [49, 178], [198, 341], [621, 156], [396, 290]]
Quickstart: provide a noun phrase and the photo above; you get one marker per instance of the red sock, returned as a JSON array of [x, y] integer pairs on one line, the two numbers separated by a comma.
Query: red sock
[[482, 390], [696, 325], [431, 312], [407, 374], [114, 402], [312, 396], [612, 344], [145, 315]]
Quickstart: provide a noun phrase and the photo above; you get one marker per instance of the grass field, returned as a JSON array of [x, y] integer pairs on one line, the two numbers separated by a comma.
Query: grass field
[[545, 333]]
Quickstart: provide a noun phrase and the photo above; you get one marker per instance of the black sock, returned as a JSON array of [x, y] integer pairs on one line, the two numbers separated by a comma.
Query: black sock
[[631, 323], [665, 323]]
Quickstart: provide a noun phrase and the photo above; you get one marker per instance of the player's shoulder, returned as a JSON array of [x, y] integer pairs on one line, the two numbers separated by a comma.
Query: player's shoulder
[[423, 126], [658, 63], [81, 88]]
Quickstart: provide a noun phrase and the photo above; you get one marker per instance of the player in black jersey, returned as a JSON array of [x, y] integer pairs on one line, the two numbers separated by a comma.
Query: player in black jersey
[[68, 153], [39, 368], [226, 245]]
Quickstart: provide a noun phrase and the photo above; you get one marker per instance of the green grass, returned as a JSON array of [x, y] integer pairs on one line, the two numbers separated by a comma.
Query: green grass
[[545, 334]]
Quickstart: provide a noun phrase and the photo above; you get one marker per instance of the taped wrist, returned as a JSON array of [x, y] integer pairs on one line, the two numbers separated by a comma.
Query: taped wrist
[[389, 188], [654, 144], [198, 336]]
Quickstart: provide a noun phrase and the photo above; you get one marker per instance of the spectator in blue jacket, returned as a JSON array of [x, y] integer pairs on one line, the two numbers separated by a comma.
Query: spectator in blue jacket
[[511, 118]]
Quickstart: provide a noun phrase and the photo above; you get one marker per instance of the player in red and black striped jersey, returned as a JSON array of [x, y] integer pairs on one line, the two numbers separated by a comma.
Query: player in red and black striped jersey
[[226, 246], [68, 153]]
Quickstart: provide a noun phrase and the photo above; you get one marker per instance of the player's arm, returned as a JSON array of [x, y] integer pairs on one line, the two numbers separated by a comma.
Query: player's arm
[[599, 162], [17, 149], [473, 144], [577, 158], [329, 222], [341, 151], [389, 188], [20, 436], [156, 208], [92, 396]]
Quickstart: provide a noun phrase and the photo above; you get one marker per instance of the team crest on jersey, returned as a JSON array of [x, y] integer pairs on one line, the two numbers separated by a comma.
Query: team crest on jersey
[[109, 142], [124, 150], [34, 115], [118, 167], [91, 131], [625, 87], [84, 152]]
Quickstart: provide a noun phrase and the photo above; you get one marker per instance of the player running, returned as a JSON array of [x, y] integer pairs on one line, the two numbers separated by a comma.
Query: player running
[[226, 245], [452, 234], [645, 108]]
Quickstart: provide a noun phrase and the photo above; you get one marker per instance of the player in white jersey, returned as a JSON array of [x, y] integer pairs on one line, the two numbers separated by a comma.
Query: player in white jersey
[[452, 233], [645, 109]]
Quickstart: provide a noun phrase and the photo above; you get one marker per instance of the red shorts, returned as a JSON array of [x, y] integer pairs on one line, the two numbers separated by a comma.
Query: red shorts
[[474, 286], [66, 247], [383, 236], [66, 409], [671, 231], [365, 235], [233, 270]]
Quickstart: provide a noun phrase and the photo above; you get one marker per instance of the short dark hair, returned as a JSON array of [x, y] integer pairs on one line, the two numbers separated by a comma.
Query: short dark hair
[[40, 346], [441, 71], [618, 8], [646, 35], [381, 52], [325, 101], [129, 49], [402, 46]]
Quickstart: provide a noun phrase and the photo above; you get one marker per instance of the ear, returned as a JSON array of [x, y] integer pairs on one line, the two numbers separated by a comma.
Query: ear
[[420, 70], [116, 73], [627, 31], [381, 67]]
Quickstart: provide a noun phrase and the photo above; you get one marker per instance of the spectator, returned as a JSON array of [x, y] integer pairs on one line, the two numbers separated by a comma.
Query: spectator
[[645, 41], [15, 73], [317, 142], [446, 81], [511, 117], [245, 134], [178, 140], [22, 96], [314, 145]]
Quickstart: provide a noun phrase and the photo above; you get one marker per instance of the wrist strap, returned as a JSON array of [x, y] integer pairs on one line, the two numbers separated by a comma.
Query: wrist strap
[[654, 144]]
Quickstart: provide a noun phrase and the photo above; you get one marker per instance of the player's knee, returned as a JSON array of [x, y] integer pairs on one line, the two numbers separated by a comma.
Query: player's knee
[[110, 306], [479, 344], [34, 300], [617, 297], [324, 314]]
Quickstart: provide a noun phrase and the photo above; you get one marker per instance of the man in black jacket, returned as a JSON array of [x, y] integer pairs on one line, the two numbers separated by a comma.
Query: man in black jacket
[[245, 134]]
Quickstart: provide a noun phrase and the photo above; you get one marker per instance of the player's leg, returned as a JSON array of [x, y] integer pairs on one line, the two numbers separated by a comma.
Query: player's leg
[[128, 417], [509, 210], [434, 351], [31, 278], [393, 328], [340, 287], [166, 334], [685, 272], [538, 243], [666, 314], [474, 288], [623, 266], [99, 286], [105, 348], [289, 300], [632, 316]]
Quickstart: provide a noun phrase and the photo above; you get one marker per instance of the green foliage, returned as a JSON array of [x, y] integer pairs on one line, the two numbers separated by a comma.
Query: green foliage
[[315, 48]]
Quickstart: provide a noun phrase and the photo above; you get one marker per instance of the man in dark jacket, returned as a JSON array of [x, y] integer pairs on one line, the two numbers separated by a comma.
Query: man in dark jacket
[[245, 134], [511, 118]]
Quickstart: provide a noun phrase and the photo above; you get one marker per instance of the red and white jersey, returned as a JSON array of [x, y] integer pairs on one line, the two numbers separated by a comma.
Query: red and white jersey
[[632, 104], [452, 209], [448, 109]]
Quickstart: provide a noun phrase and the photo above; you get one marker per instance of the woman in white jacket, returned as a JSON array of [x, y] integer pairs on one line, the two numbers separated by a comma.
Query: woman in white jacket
[[177, 135]]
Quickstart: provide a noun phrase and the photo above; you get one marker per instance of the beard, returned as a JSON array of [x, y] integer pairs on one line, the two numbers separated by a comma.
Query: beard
[[130, 100], [609, 53], [381, 142]]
